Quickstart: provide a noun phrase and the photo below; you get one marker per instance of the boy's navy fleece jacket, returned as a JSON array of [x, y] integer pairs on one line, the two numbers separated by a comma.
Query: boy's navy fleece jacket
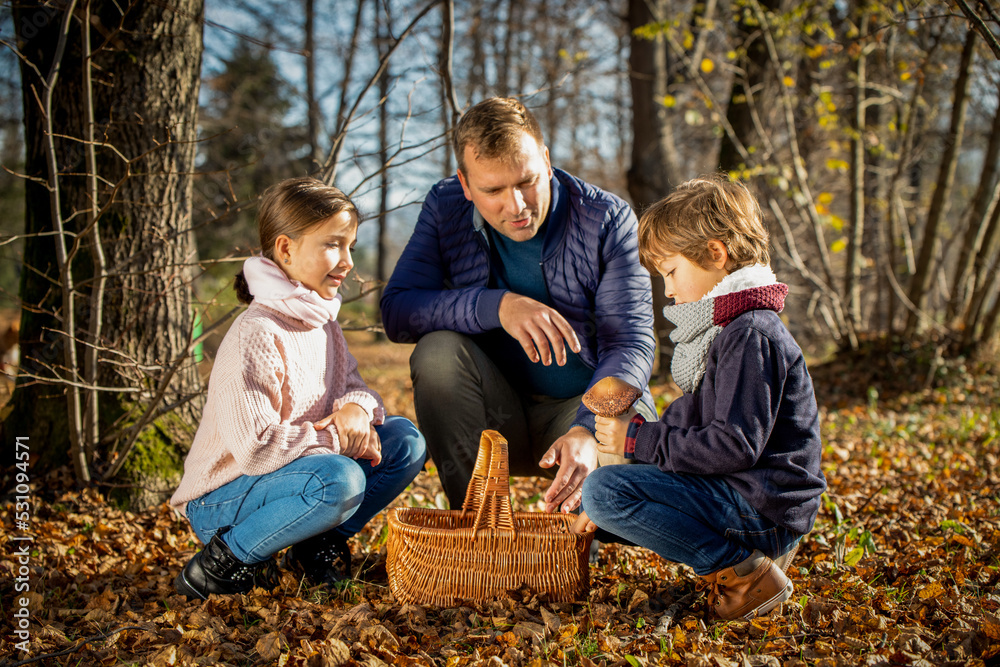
[[753, 421], [590, 262]]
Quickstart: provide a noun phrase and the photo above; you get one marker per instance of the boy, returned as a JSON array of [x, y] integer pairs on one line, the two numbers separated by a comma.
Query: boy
[[732, 477]]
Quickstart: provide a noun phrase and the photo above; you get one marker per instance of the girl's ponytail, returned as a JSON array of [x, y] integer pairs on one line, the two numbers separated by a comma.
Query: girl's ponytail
[[242, 289]]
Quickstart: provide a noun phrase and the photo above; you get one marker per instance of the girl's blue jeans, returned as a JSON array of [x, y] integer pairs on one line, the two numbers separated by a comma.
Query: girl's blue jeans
[[692, 519], [309, 496]]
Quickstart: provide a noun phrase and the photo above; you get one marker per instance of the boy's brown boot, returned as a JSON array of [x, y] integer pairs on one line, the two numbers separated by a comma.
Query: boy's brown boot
[[761, 589]]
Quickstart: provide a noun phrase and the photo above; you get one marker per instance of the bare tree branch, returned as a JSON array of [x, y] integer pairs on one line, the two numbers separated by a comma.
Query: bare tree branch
[[980, 26], [329, 171], [91, 412]]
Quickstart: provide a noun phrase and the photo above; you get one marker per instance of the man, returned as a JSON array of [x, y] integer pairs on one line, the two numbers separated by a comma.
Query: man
[[514, 265]]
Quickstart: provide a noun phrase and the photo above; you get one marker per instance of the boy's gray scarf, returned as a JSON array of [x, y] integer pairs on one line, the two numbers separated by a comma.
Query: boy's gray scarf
[[699, 322]]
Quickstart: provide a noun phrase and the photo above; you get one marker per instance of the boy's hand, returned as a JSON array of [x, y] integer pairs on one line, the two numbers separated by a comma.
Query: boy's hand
[[611, 432], [583, 524], [353, 428]]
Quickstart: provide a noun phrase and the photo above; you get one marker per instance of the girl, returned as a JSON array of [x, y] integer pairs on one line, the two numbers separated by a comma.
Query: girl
[[294, 448]]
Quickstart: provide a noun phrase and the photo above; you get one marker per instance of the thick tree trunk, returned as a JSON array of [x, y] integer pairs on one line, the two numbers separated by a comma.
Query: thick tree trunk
[[147, 66], [651, 174]]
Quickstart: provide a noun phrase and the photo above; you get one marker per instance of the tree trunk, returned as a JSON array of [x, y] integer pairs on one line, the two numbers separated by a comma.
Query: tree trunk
[[921, 281], [314, 117], [975, 241], [145, 106], [449, 102], [383, 36], [852, 270], [985, 285], [745, 90], [651, 174]]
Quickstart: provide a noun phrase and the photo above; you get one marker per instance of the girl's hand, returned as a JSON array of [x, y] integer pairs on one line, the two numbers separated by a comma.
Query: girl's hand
[[353, 428], [611, 432], [373, 452]]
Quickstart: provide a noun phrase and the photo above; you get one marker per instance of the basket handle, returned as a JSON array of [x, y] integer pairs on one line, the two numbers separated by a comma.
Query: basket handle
[[489, 489]]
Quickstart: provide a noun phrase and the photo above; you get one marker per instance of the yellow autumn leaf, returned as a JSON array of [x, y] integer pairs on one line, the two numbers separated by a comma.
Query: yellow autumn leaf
[[825, 198], [931, 590], [568, 630], [836, 222], [816, 51], [669, 101], [789, 82], [839, 245], [707, 65]]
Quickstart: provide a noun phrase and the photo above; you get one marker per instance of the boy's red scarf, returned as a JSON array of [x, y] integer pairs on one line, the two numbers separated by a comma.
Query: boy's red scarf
[[699, 322]]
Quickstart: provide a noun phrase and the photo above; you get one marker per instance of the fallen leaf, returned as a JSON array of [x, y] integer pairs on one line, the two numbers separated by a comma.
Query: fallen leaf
[[269, 646]]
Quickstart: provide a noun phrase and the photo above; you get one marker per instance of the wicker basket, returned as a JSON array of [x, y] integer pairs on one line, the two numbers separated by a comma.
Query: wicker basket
[[446, 557]]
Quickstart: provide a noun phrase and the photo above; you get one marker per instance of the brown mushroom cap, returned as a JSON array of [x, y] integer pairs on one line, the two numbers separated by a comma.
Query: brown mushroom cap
[[611, 397]]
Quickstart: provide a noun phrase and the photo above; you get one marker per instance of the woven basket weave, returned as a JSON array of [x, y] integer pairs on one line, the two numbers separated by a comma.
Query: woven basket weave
[[446, 557]]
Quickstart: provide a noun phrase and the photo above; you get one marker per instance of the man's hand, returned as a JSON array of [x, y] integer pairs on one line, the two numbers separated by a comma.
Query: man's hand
[[611, 432], [536, 327], [354, 430], [576, 455]]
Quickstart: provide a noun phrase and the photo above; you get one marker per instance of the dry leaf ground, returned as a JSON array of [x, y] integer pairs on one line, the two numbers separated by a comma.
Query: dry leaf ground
[[901, 569]]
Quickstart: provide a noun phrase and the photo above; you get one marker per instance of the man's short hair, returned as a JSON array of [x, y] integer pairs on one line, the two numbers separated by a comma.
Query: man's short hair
[[713, 207], [493, 128]]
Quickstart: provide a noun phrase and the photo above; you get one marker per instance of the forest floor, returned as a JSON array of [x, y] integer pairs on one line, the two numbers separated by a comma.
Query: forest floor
[[902, 568]]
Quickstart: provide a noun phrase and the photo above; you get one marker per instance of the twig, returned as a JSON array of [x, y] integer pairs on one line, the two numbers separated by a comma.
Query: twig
[[74, 649], [663, 625]]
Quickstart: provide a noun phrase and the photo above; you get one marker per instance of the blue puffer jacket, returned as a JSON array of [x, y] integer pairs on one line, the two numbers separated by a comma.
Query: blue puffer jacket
[[591, 266]]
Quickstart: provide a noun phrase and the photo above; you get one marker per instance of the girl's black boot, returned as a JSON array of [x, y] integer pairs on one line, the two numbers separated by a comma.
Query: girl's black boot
[[322, 559], [215, 569]]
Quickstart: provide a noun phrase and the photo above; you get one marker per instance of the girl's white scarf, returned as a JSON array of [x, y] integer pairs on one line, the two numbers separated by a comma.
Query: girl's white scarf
[[271, 287], [699, 322]]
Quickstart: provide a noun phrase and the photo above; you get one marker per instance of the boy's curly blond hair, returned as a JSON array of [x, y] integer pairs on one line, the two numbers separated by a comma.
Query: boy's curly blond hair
[[712, 207]]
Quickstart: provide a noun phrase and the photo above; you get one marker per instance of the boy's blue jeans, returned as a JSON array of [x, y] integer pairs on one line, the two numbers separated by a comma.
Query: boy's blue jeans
[[692, 519], [309, 496]]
